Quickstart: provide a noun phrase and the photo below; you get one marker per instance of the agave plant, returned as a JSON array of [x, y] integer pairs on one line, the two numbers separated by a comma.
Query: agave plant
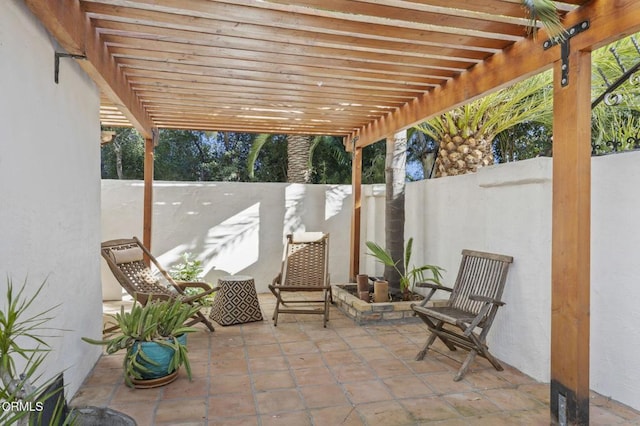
[[412, 274], [157, 321]]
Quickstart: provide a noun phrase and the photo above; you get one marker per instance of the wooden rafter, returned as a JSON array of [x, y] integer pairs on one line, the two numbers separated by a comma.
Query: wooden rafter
[[70, 26]]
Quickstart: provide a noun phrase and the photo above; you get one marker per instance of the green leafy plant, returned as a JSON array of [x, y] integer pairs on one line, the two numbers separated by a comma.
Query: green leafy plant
[[160, 321], [189, 270], [22, 337], [412, 274]]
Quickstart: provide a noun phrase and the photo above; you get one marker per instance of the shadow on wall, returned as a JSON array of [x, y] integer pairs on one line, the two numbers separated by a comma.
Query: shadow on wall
[[233, 228]]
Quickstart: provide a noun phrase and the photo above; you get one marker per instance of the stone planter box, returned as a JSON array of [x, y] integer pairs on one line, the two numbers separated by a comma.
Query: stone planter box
[[362, 312]]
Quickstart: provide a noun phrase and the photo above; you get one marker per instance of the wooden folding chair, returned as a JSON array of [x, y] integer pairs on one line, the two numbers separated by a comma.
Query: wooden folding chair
[[472, 306], [125, 258], [305, 269]]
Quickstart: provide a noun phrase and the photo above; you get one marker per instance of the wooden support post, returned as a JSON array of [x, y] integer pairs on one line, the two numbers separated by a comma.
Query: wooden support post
[[356, 183], [149, 145], [570, 264]]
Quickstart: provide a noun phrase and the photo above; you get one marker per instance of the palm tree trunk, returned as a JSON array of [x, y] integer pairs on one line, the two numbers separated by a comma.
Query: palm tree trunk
[[395, 174], [298, 148]]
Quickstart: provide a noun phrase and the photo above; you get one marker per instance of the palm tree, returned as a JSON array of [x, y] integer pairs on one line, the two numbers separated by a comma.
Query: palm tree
[[466, 134], [298, 152], [298, 164], [395, 176]]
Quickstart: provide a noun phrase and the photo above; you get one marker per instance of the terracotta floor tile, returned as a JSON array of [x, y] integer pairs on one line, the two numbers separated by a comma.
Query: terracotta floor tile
[[298, 418], [340, 358], [93, 395], [387, 413], [323, 396], [232, 405], [369, 354], [143, 414], [331, 345], [362, 342], [262, 351], [183, 388], [229, 366], [273, 363], [343, 416], [539, 391], [300, 347], [442, 383], [389, 367], [277, 401], [354, 372], [511, 399], [367, 391], [470, 404], [407, 387], [224, 384], [297, 361], [272, 380], [429, 409], [180, 411], [126, 395], [233, 421], [313, 376]]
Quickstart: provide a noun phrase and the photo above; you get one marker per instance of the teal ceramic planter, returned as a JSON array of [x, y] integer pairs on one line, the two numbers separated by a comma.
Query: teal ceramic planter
[[160, 354]]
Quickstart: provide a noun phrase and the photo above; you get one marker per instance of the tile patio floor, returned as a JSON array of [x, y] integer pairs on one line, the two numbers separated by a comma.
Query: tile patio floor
[[300, 373]]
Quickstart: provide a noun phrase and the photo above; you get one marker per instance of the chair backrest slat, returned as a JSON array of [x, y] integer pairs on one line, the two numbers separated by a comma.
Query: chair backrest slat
[[482, 274], [306, 263]]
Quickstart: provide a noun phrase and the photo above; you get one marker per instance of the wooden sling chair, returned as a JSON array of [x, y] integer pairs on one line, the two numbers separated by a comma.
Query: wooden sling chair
[[304, 269], [472, 306], [125, 258]]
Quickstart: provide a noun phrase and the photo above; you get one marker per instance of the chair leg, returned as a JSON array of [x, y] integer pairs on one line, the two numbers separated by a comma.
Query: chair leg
[[484, 352], [465, 365], [327, 299], [206, 322], [424, 350]]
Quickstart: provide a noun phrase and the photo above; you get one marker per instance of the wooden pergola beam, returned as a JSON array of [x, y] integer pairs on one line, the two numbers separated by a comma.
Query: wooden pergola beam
[[70, 26], [609, 21]]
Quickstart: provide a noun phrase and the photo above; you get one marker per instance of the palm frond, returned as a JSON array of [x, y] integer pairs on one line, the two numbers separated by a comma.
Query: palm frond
[[546, 12], [257, 145]]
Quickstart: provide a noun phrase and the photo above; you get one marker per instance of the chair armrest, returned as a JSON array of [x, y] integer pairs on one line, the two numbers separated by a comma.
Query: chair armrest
[[434, 286], [193, 284], [479, 298]]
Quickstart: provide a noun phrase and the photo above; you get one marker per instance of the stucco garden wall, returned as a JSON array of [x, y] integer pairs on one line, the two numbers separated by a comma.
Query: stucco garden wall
[[233, 228], [50, 189]]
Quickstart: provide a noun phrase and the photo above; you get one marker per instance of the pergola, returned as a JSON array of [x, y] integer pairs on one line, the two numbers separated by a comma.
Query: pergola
[[363, 70]]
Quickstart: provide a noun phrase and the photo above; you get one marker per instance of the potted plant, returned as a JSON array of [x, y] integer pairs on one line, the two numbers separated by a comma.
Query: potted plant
[[412, 274], [154, 338]]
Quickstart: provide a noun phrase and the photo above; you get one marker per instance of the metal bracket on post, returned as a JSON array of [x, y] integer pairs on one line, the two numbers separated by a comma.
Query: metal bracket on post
[[563, 41], [58, 55]]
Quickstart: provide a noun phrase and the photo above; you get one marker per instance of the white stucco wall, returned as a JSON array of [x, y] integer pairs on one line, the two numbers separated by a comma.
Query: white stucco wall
[[50, 189], [502, 209], [233, 228], [507, 209], [615, 277]]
